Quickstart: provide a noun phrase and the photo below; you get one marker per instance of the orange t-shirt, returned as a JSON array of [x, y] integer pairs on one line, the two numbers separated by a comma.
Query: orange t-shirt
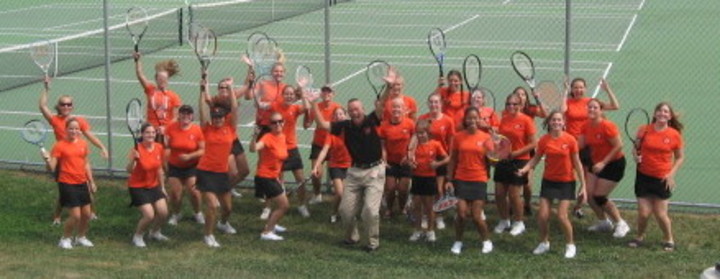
[[470, 162], [426, 153], [517, 128], [339, 156], [218, 144], [58, 124], [160, 105], [397, 138], [71, 157], [410, 106], [290, 114], [598, 137], [183, 141], [657, 150], [441, 130], [326, 109], [272, 155], [558, 156], [272, 94], [454, 104], [146, 173], [576, 115]]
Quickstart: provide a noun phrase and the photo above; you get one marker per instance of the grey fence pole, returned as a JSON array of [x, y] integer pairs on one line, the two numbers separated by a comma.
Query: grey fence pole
[[108, 114]]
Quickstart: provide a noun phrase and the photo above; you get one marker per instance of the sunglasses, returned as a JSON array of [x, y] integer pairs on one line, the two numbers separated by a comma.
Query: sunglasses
[[512, 104], [65, 104], [224, 87], [276, 122]]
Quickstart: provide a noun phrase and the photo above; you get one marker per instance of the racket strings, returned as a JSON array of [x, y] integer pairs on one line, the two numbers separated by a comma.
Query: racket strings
[[34, 131], [137, 21]]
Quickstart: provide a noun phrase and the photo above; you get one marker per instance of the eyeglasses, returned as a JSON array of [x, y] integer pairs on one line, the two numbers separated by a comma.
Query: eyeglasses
[[276, 122], [512, 104], [65, 104], [224, 87]]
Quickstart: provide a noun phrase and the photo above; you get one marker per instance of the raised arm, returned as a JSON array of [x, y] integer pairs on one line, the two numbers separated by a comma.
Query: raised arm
[[322, 123], [43, 103], [203, 108], [139, 70], [614, 104], [96, 142]]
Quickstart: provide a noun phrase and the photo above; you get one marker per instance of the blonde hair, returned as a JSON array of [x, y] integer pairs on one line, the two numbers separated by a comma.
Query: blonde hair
[[170, 66]]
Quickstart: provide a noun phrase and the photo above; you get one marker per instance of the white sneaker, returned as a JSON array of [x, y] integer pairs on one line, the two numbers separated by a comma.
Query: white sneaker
[[333, 219], [65, 243], [83, 241], [174, 219], [316, 199], [199, 218], [210, 241], [270, 236], [94, 217], [570, 251], [440, 223], [518, 228], [487, 246], [457, 247], [56, 222], [424, 222], [279, 229], [415, 236], [430, 236], [159, 236], [304, 212], [138, 241], [542, 248], [226, 228], [621, 229], [502, 226], [265, 213], [601, 226], [235, 193]]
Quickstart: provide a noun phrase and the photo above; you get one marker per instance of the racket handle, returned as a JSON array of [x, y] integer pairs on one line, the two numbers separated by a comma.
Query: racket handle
[[137, 49], [42, 149]]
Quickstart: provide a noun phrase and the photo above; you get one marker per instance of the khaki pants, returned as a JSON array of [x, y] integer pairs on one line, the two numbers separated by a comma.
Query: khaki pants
[[363, 187]]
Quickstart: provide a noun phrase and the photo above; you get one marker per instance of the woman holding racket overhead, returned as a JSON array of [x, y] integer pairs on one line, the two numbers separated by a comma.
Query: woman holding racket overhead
[[659, 157], [454, 99], [520, 130], [268, 92], [75, 183], [185, 146], [608, 166], [468, 174], [561, 159], [531, 110], [147, 185], [162, 103], [395, 133], [213, 166], [338, 162], [441, 129], [58, 121]]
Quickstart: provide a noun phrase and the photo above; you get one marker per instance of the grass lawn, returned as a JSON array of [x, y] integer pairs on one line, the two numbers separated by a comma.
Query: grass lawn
[[312, 247]]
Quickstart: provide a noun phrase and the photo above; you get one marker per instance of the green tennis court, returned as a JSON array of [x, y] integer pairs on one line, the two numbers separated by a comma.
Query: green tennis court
[[650, 51]]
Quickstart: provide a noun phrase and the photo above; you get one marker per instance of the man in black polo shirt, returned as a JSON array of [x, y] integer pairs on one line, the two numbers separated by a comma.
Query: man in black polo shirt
[[365, 179]]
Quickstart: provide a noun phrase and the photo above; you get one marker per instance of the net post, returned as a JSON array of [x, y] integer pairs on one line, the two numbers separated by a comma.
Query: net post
[[327, 41], [108, 118], [568, 20]]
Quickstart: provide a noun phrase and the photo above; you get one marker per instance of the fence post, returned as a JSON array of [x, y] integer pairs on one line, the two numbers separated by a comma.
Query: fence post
[[108, 114]]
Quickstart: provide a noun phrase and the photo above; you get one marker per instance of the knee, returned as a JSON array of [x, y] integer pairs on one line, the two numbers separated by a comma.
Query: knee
[[600, 200]]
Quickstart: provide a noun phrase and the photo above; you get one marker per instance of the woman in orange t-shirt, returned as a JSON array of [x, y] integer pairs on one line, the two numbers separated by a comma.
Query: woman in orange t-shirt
[[520, 130], [428, 156], [75, 183], [162, 103], [146, 185], [338, 163], [561, 159], [185, 146], [487, 114], [272, 149], [213, 166], [327, 108], [533, 111], [608, 168], [660, 156], [454, 99], [395, 133], [467, 174]]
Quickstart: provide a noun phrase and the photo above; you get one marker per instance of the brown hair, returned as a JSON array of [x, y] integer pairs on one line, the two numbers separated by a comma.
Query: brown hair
[[170, 66], [674, 122]]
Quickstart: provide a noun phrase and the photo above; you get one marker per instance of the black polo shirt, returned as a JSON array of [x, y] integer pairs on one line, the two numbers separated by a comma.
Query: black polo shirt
[[362, 142]]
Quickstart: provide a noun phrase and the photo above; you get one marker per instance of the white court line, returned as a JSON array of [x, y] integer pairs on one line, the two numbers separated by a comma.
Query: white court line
[[348, 77], [60, 27], [627, 32], [25, 9], [604, 76], [642, 4], [506, 2], [451, 28]]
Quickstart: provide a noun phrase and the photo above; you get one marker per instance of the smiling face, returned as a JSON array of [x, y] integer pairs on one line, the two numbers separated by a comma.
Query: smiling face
[[225, 88], [520, 92], [454, 81], [434, 103], [577, 88], [472, 120], [478, 99], [555, 122], [663, 114], [289, 95], [278, 72], [512, 104], [148, 134], [73, 129], [64, 106], [356, 111], [339, 114], [276, 123], [594, 110]]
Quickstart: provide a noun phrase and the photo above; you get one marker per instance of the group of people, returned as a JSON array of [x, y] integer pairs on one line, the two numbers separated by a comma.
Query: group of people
[[380, 163]]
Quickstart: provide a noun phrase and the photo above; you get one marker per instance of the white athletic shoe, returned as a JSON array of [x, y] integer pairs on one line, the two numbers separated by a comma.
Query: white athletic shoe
[[83, 241], [138, 241], [518, 228], [199, 218], [65, 243], [570, 251], [316, 199], [303, 210], [601, 226], [415, 236], [440, 223], [174, 219], [424, 222], [542, 248], [270, 236], [502, 226], [56, 222], [487, 246], [210, 241], [235, 193], [265, 213], [279, 229], [430, 236], [621, 229], [333, 219], [159, 236], [457, 247], [226, 228]]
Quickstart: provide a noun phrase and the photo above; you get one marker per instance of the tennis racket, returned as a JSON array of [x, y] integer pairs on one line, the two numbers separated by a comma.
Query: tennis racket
[[35, 132], [447, 201], [263, 54], [205, 46], [291, 190], [259, 92], [524, 67], [134, 119], [136, 22], [304, 79], [549, 95], [437, 45], [43, 54], [499, 147], [375, 74], [636, 119]]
